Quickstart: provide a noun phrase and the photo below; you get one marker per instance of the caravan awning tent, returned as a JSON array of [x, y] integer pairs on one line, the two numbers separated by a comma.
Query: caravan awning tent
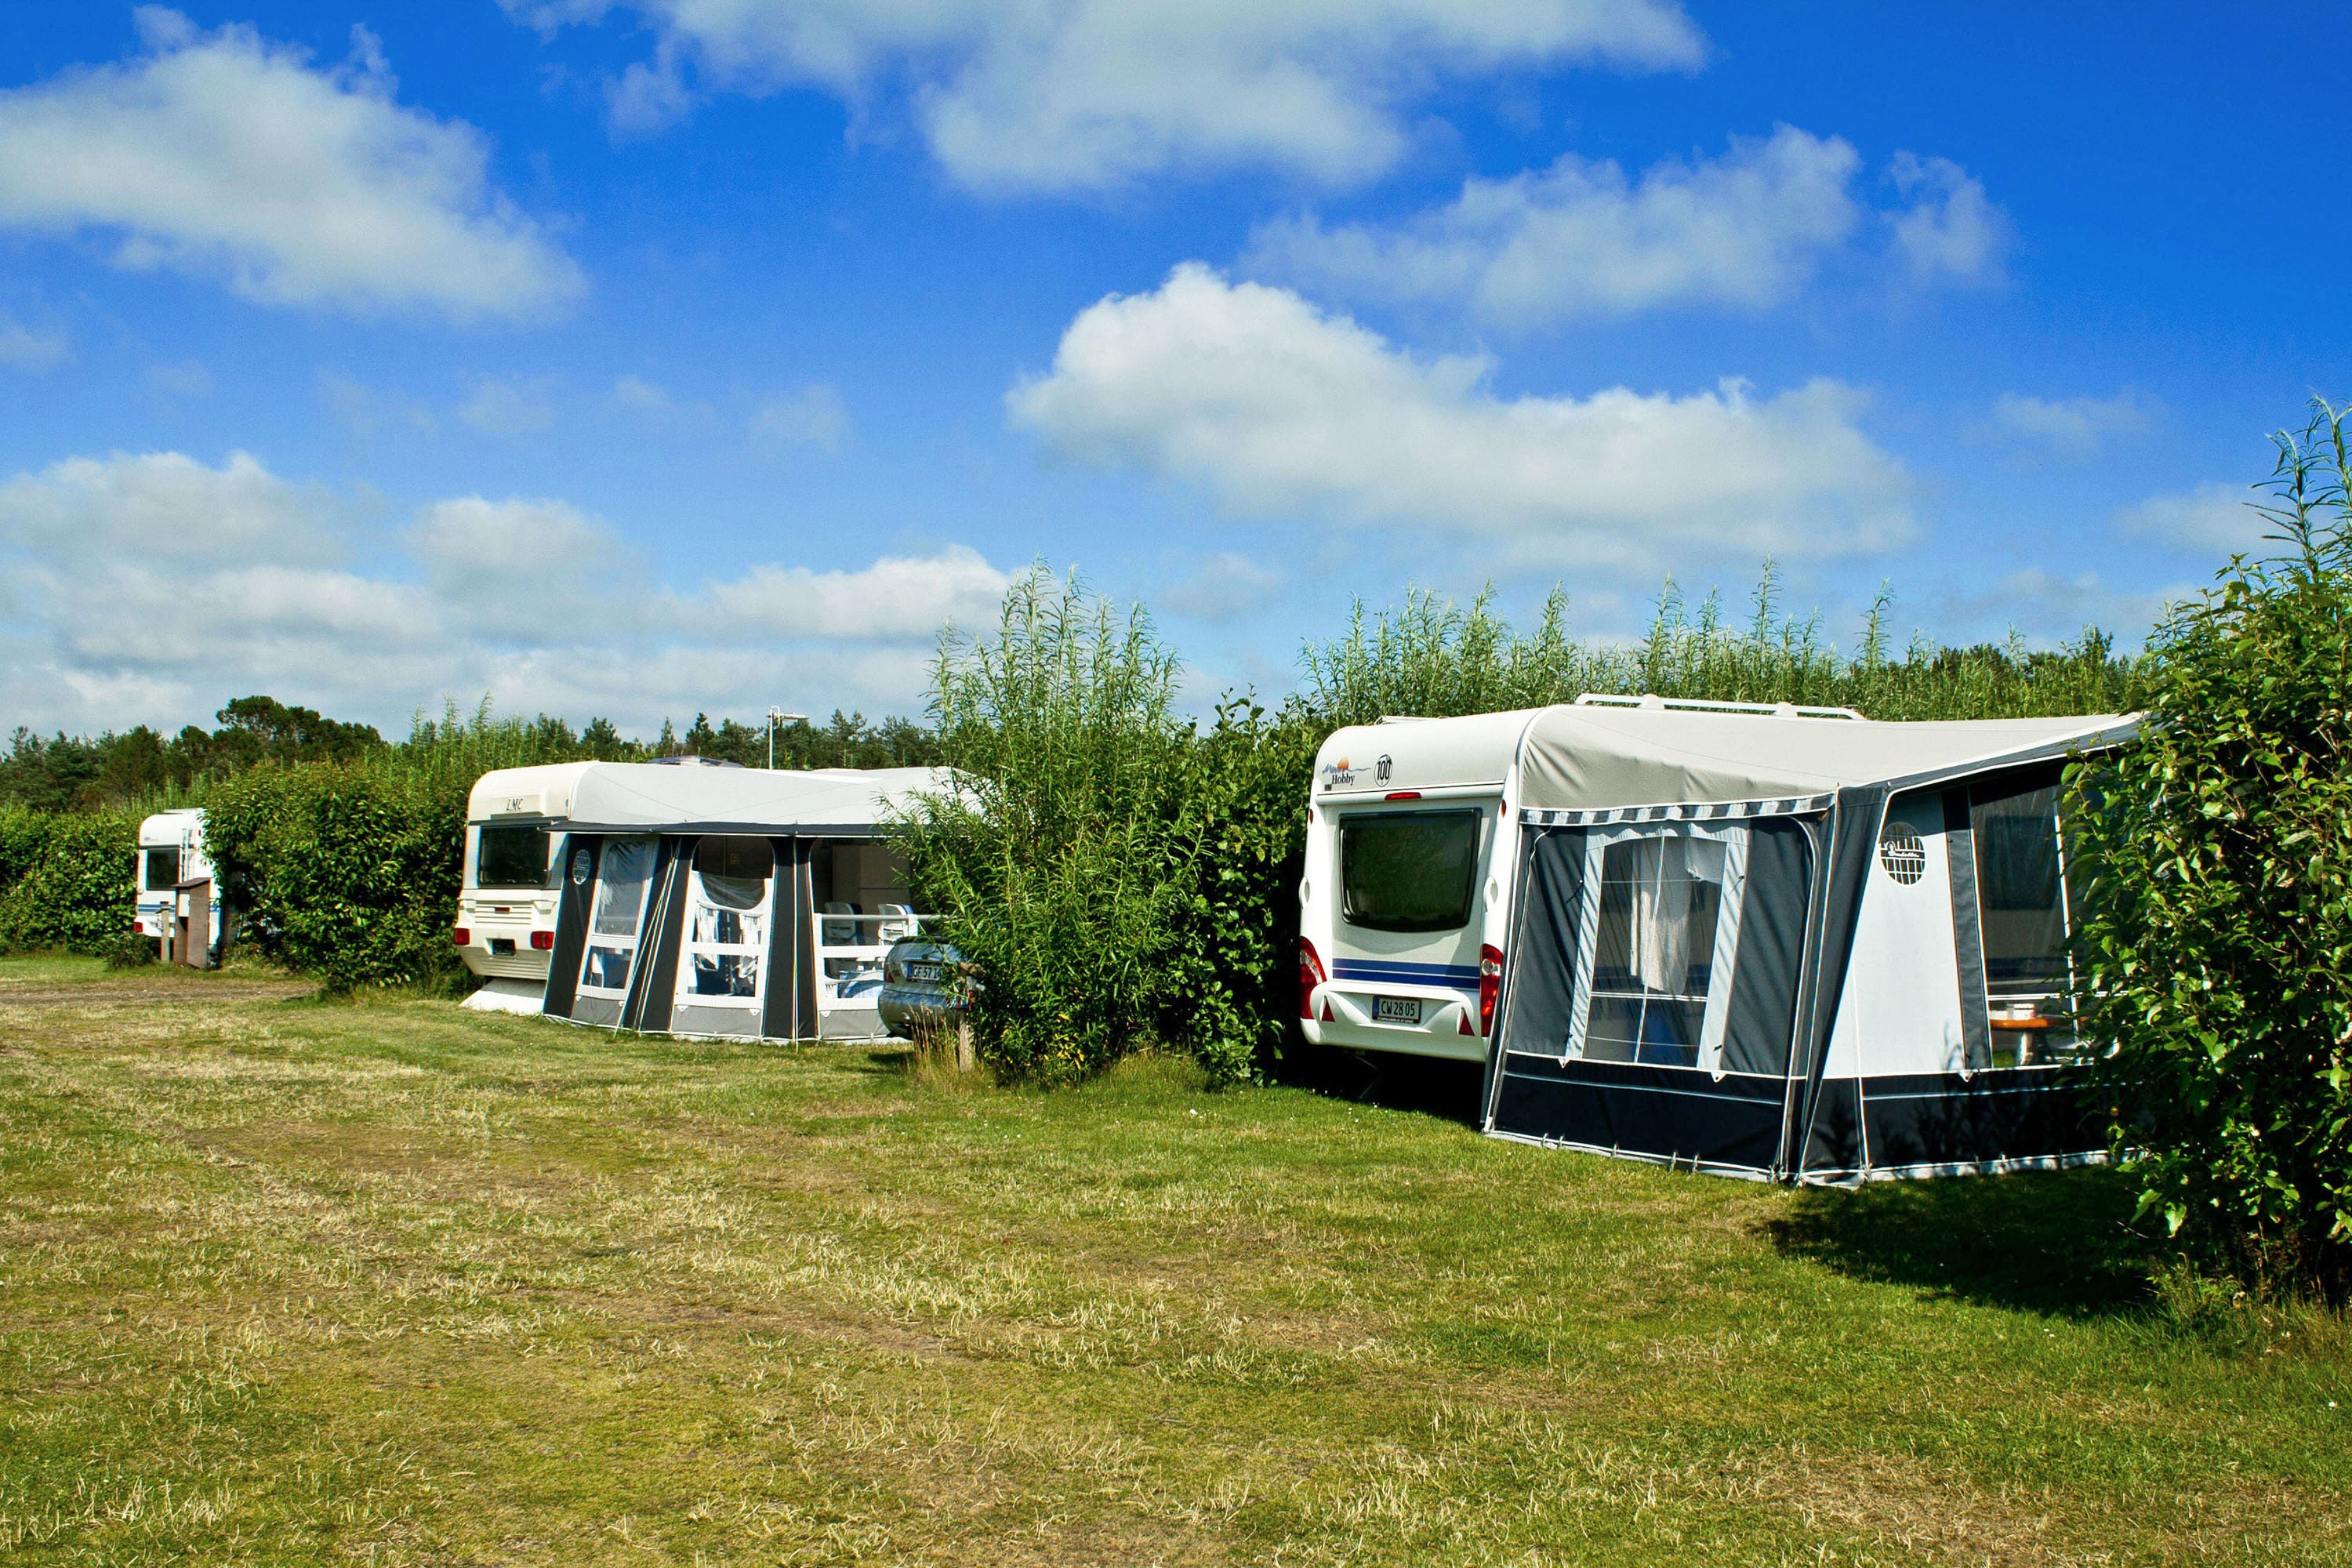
[[1594, 757], [1796, 945], [730, 902]]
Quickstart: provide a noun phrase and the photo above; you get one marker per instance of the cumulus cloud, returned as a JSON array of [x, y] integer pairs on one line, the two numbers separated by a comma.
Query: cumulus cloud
[[1093, 93], [1951, 231], [1224, 587], [147, 588], [1282, 411], [813, 416], [21, 348], [2035, 596], [2210, 517], [2075, 426], [169, 505], [366, 410], [226, 155], [1583, 239], [181, 378], [898, 597], [502, 407]]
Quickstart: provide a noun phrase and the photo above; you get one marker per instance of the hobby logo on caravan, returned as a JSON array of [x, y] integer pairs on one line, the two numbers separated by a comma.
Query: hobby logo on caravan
[[1336, 773]]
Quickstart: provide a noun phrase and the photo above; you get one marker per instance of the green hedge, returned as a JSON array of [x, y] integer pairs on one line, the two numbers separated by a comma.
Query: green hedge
[[66, 879], [345, 873]]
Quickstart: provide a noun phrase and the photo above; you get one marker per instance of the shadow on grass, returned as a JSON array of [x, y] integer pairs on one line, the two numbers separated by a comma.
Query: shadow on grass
[[1392, 1080], [2058, 1243]]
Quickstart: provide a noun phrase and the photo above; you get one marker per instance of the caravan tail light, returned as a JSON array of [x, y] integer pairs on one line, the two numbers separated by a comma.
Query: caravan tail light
[[1310, 975], [1490, 984], [462, 937], [542, 941]]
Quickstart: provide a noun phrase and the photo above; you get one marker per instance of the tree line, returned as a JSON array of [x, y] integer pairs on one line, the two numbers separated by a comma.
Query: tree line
[[141, 766]]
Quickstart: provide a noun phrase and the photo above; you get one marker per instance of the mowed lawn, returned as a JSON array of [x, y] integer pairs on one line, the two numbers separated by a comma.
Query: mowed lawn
[[285, 1281]]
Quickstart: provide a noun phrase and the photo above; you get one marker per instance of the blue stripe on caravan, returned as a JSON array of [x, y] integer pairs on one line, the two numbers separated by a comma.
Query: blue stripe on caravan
[[1421, 974]]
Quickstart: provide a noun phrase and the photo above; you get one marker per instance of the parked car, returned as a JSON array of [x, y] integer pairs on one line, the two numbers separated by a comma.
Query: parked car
[[921, 980]]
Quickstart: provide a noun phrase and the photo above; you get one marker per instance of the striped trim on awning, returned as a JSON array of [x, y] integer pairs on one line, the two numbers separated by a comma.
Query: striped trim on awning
[[1695, 811]]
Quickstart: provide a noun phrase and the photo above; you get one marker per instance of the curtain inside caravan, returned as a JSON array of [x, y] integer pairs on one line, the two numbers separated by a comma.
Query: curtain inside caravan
[[1654, 950]]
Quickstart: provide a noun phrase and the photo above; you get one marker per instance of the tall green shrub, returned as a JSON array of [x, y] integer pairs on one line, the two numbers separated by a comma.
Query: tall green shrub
[[347, 873], [1065, 867], [66, 879], [2216, 937]]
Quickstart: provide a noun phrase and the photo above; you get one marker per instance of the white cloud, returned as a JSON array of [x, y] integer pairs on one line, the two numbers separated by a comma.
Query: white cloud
[[900, 596], [181, 378], [21, 347], [813, 416], [149, 588], [170, 505], [226, 155], [2066, 606], [2211, 517], [367, 410], [1282, 411], [2073, 425], [517, 407], [1224, 587], [1084, 94], [634, 392], [1581, 239], [1951, 231]]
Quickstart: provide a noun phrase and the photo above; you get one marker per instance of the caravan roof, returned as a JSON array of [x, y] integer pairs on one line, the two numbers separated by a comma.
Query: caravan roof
[[170, 827], [1588, 757], [1609, 756], [627, 797]]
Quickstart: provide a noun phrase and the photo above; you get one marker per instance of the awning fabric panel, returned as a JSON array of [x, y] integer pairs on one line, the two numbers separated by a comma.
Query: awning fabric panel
[[617, 797], [1733, 1122], [1595, 758]]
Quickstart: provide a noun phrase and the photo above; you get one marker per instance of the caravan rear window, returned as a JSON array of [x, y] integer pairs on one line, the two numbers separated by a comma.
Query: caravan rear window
[[1408, 870], [163, 870], [512, 855]]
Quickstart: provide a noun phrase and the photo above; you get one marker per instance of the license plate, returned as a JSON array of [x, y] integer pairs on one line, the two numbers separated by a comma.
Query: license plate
[[927, 971], [1396, 1009]]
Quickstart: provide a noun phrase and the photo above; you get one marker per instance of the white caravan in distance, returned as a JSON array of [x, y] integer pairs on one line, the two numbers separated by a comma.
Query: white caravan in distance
[[171, 852]]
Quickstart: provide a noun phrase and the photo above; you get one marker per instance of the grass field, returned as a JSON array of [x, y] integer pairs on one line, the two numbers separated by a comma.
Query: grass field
[[285, 1281]]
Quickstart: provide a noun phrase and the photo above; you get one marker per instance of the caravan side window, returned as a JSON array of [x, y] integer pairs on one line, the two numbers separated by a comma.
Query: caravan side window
[[617, 915], [1408, 870], [1659, 928]]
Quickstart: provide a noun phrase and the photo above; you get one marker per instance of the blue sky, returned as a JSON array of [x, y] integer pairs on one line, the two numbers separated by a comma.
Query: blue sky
[[646, 358]]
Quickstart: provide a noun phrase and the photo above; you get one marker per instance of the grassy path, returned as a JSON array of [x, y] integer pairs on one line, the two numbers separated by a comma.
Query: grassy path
[[291, 1282]]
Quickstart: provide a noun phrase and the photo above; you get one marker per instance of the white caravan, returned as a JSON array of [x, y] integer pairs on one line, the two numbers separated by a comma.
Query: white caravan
[[507, 897], [733, 901], [171, 852], [1772, 941]]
